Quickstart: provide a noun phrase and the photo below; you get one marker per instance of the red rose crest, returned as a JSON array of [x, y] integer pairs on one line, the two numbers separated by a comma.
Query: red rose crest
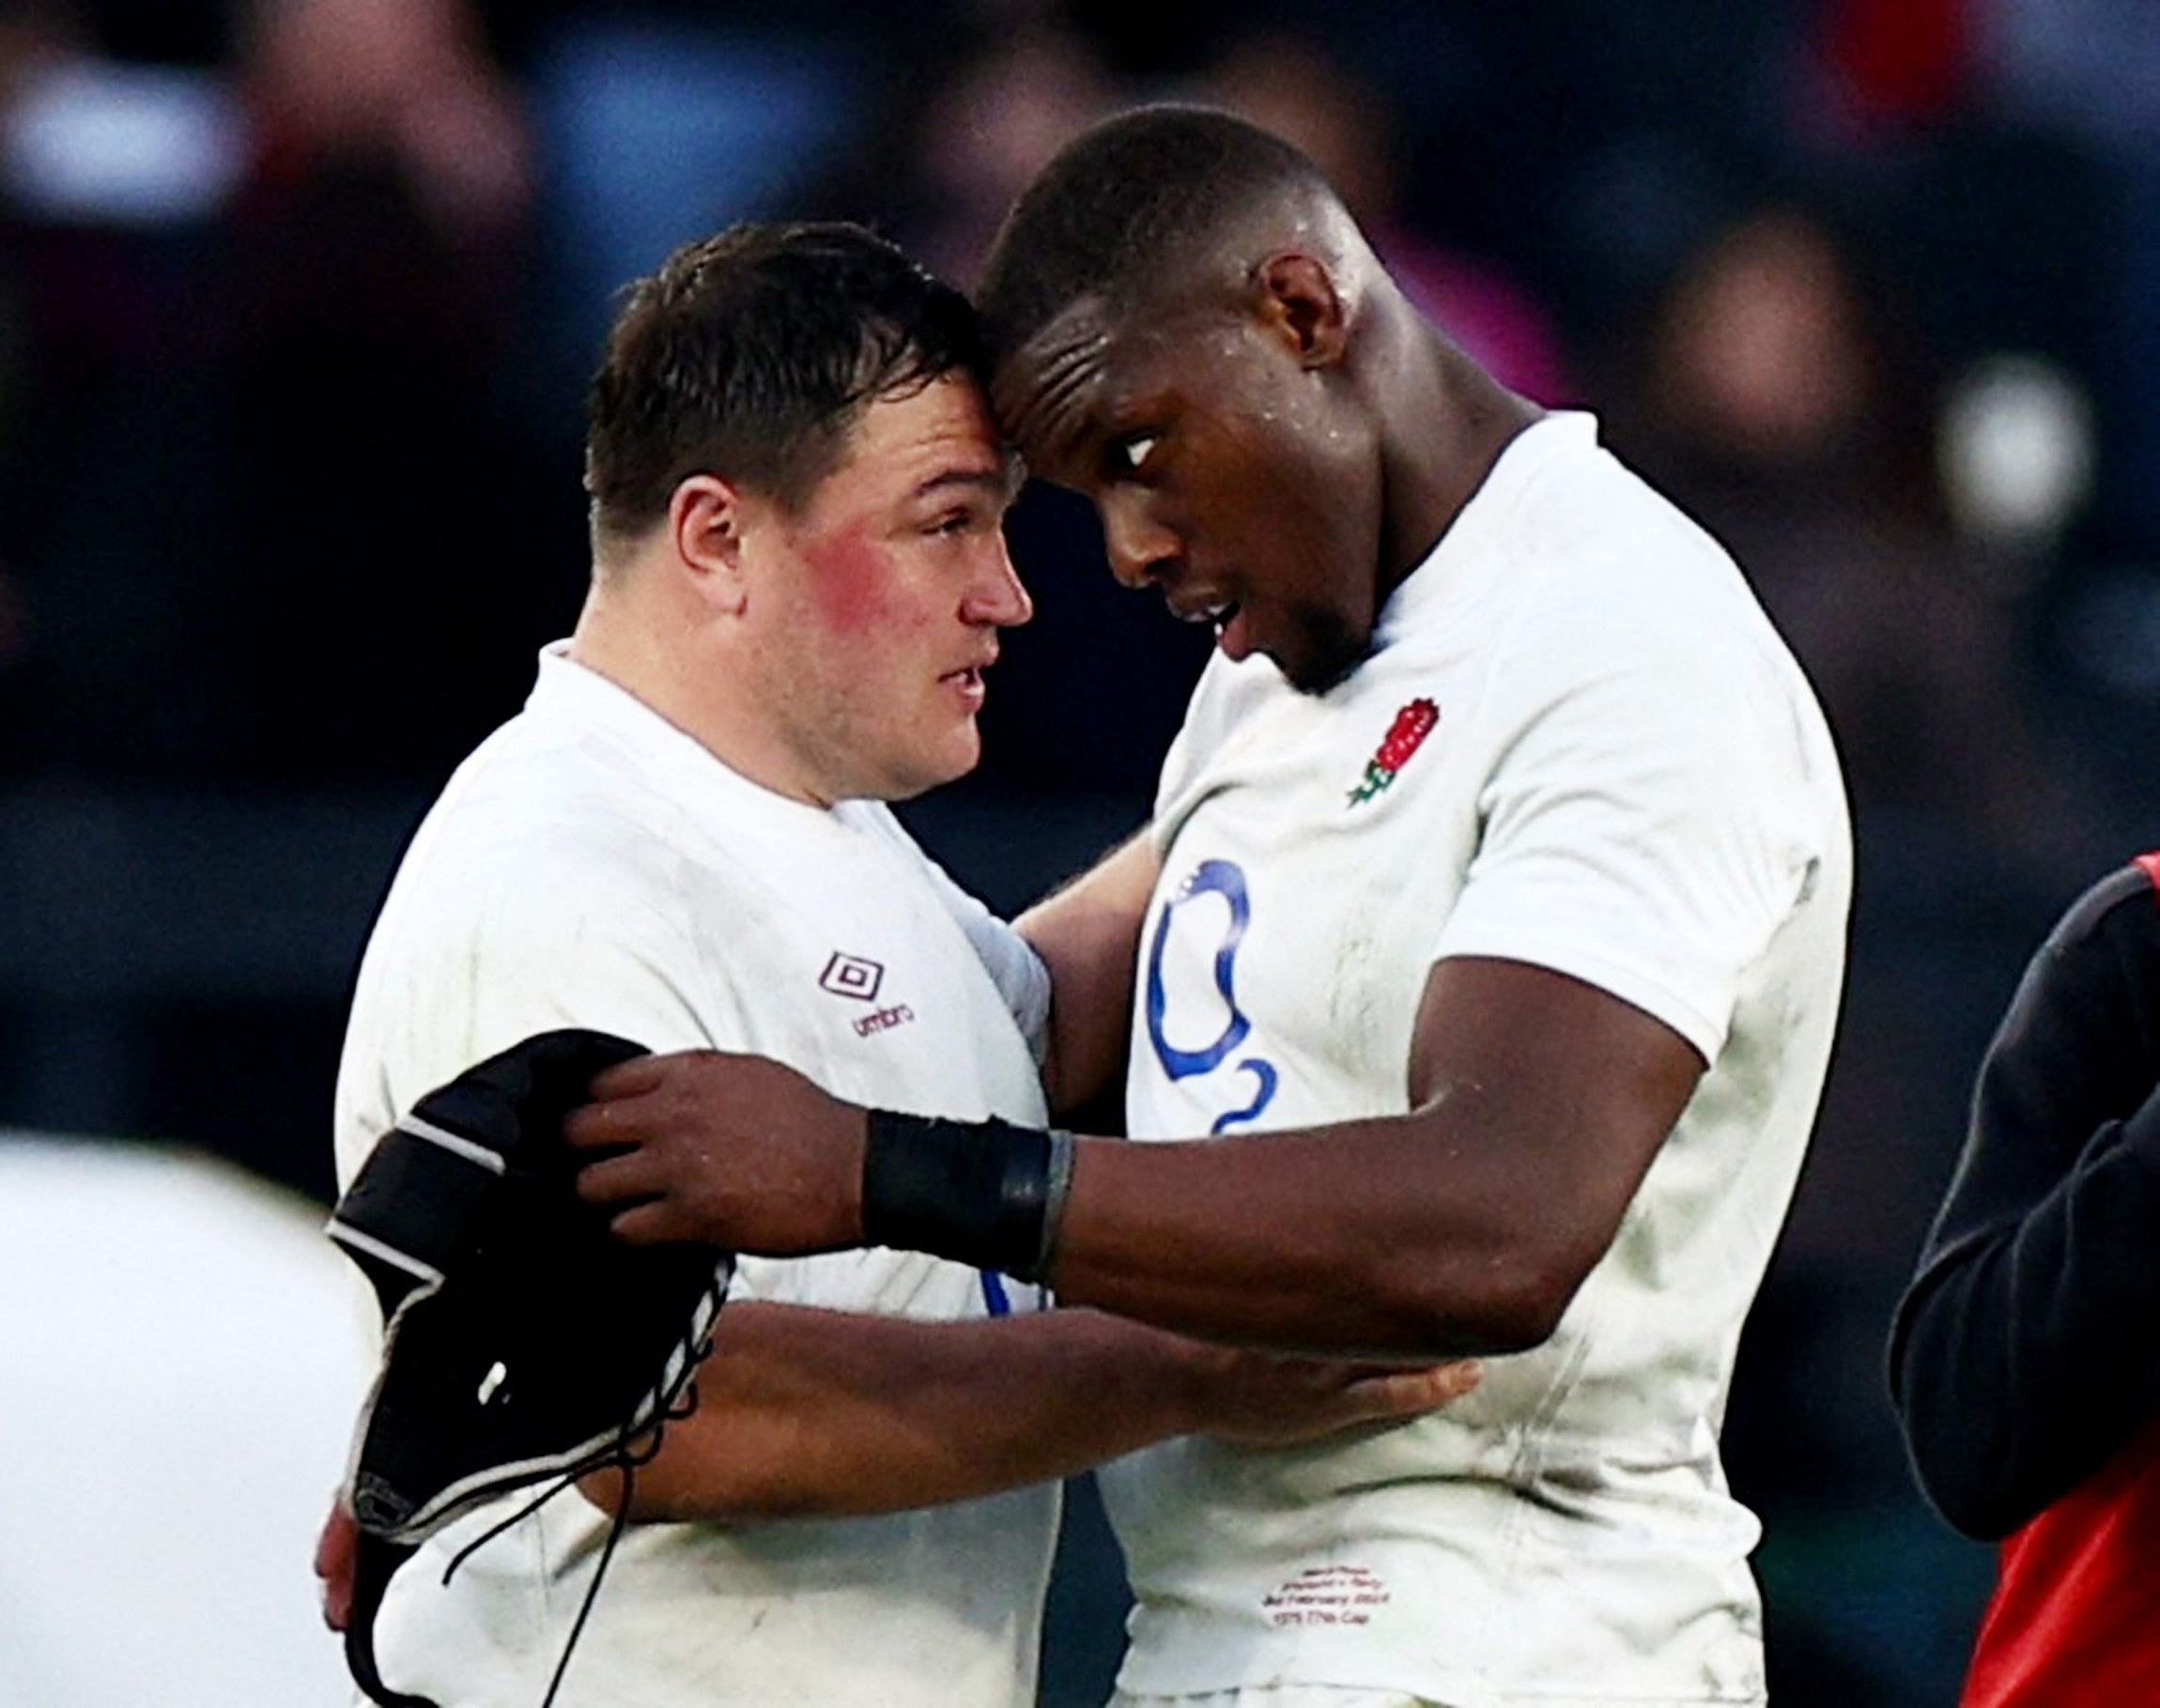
[[1404, 736]]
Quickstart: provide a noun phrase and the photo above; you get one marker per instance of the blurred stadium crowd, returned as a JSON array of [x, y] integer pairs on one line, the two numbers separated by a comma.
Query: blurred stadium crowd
[[297, 298]]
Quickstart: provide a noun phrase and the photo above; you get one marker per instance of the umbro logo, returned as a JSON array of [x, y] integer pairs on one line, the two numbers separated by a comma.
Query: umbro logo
[[852, 975]]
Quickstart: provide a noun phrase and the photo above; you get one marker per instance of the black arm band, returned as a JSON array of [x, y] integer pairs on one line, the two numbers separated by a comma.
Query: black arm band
[[981, 1192]]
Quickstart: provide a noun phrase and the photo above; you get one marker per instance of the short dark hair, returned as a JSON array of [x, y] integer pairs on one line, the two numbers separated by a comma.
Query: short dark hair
[[1125, 206], [749, 355]]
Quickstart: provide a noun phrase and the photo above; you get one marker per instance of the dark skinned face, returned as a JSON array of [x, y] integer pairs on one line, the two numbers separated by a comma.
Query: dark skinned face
[[1230, 467]]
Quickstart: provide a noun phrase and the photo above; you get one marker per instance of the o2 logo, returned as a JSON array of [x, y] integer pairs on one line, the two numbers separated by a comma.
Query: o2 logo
[[1227, 880]]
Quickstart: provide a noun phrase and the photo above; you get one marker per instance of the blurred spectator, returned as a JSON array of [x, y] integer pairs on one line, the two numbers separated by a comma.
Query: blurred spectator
[[390, 569], [665, 122], [984, 134], [1773, 402], [406, 81], [266, 317], [109, 174], [1290, 85]]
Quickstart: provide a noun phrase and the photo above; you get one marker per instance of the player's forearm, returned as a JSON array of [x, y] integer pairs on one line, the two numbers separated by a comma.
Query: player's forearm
[[1378, 1237], [1362, 1238], [1462, 1225], [806, 1413], [1088, 936]]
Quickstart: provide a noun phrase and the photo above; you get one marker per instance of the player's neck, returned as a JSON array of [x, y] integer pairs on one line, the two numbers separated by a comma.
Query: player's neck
[[1446, 421], [671, 660]]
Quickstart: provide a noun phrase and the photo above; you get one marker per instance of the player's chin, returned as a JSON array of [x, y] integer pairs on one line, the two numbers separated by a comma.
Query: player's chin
[[944, 757], [1324, 651]]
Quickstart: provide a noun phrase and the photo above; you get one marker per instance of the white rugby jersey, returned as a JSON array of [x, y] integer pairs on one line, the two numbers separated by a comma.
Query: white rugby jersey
[[1580, 745], [591, 865]]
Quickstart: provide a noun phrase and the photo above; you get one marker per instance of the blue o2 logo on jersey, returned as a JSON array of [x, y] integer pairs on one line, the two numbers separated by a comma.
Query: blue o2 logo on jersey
[[1211, 878], [1225, 880]]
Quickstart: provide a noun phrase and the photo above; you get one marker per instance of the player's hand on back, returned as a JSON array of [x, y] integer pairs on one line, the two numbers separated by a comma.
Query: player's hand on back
[[1274, 1399], [732, 1150]]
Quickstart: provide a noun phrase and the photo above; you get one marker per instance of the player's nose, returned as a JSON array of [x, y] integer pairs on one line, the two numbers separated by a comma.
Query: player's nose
[[1141, 550], [995, 595]]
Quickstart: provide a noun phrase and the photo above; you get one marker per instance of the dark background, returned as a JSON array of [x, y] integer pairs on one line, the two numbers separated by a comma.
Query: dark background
[[297, 302]]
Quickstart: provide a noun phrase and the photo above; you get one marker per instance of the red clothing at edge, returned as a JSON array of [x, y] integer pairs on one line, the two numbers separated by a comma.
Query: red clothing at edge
[[2076, 1615]]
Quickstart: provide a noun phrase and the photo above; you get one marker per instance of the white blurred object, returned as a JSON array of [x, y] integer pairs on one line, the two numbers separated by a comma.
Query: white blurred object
[[100, 142], [2014, 449], [180, 1365]]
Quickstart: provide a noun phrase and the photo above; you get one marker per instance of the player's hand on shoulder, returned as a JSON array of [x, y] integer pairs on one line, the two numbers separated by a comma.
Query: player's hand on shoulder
[[729, 1150], [1272, 1399]]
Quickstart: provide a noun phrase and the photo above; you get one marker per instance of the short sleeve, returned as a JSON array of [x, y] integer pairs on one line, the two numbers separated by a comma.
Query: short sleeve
[[1023, 982], [1013, 965], [1650, 819]]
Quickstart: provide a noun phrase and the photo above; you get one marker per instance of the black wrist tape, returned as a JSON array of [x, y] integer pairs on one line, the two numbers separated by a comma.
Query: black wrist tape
[[981, 1192]]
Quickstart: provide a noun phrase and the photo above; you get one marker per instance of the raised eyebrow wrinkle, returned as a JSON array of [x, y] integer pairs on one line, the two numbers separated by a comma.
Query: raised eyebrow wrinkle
[[1068, 369]]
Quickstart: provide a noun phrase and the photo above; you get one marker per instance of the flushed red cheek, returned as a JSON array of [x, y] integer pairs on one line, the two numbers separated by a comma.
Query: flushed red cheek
[[850, 580]]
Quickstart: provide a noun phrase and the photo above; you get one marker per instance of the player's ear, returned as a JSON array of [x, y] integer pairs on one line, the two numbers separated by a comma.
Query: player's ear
[[707, 525], [1297, 300]]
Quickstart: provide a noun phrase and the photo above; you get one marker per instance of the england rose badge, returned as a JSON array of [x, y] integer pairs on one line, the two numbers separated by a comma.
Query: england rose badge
[[1404, 736]]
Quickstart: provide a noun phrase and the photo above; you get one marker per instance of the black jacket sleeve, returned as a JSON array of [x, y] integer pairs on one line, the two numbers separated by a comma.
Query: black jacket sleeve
[[2027, 1346]]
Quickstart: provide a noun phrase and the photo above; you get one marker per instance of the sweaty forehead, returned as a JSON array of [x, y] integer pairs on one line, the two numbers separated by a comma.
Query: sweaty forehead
[[1066, 384], [1047, 391]]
